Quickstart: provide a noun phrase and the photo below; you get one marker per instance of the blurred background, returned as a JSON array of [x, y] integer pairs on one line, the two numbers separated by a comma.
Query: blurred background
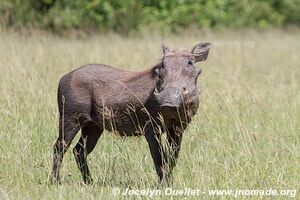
[[167, 15]]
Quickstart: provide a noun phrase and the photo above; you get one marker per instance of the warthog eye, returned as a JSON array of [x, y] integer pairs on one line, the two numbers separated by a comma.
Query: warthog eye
[[190, 62]]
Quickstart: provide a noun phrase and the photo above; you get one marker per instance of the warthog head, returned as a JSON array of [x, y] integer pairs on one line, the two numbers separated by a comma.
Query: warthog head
[[178, 75]]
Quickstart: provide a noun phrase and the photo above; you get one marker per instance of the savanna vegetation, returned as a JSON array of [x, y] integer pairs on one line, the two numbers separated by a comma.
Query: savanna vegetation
[[245, 134]]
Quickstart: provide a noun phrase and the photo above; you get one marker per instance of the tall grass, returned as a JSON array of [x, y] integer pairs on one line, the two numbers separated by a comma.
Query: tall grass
[[245, 135]]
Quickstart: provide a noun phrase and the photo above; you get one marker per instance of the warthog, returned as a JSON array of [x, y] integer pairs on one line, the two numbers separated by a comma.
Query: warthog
[[161, 99]]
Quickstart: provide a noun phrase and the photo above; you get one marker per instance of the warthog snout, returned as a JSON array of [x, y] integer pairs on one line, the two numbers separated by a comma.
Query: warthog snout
[[170, 97]]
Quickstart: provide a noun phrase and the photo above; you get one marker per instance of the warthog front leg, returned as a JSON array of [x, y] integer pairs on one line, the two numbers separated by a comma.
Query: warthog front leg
[[157, 153], [174, 138], [164, 159]]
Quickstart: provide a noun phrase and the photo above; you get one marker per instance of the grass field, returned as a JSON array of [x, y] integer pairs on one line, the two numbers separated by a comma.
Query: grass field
[[246, 133]]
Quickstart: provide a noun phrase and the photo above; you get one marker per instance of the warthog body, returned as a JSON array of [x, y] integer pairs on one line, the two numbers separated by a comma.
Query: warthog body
[[161, 99]]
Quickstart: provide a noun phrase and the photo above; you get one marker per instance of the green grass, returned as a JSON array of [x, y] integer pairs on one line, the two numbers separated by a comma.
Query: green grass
[[245, 135]]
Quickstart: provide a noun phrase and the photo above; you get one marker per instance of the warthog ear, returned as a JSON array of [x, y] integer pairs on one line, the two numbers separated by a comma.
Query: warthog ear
[[200, 51], [165, 49]]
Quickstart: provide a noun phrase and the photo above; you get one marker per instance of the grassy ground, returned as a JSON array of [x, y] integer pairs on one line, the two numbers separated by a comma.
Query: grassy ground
[[245, 135]]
